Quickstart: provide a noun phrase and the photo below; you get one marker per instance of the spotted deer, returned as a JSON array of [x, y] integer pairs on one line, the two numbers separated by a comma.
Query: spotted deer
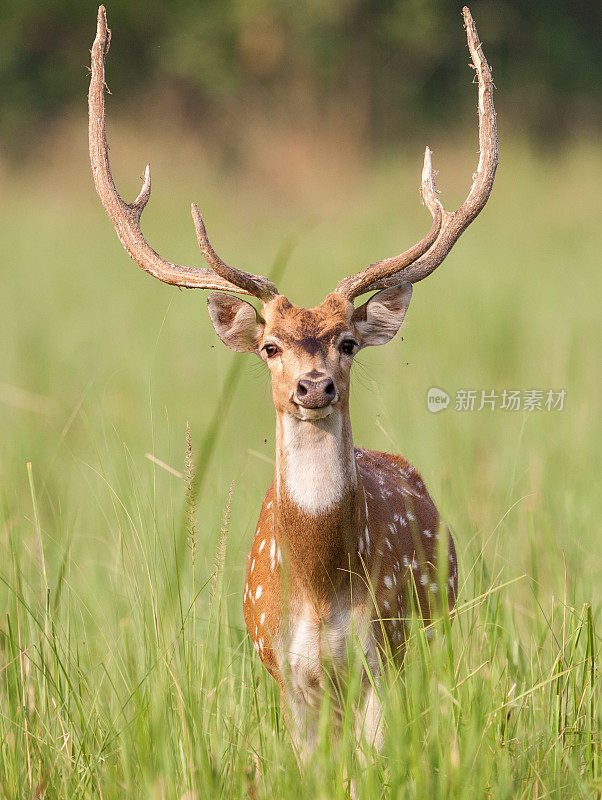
[[347, 540]]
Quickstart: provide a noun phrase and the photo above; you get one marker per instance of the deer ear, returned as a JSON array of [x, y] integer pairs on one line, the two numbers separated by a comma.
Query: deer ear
[[236, 322], [378, 320]]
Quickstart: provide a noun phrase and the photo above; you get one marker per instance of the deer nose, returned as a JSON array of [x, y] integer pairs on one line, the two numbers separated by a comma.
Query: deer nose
[[315, 392]]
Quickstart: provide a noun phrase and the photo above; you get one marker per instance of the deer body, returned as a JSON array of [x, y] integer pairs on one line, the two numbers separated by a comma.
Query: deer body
[[348, 540], [346, 543], [378, 530]]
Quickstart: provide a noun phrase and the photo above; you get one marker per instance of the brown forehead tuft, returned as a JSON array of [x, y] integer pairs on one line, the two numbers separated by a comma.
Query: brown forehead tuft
[[294, 323]]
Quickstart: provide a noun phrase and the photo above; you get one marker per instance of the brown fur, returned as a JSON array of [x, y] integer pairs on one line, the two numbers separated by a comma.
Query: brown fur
[[330, 554]]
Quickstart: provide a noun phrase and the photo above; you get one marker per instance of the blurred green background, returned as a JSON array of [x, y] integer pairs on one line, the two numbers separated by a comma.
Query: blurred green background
[[301, 127], [387, 66]]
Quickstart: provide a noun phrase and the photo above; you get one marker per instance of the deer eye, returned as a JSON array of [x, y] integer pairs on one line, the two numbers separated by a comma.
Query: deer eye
[[348, 346], [270, 350]]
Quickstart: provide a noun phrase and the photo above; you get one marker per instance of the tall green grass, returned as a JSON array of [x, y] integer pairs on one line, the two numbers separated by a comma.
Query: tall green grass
[[125, 669]]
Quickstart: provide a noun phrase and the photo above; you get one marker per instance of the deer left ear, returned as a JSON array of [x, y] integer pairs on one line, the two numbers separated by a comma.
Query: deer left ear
[[378, 320]]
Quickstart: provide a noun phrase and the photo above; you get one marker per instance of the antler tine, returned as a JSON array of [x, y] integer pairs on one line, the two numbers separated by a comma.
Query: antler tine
[[253, 284], [357, 284], [126, 216], [452, 224]]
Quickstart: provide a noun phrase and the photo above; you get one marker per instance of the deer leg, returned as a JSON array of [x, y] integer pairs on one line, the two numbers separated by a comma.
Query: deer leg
[[368, 721], [301, 701]]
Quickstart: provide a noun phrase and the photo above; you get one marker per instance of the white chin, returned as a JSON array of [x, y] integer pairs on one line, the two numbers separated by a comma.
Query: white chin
[[309, 414]]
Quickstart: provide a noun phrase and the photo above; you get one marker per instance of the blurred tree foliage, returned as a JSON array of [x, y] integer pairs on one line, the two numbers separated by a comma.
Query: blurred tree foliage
[[393, 62]]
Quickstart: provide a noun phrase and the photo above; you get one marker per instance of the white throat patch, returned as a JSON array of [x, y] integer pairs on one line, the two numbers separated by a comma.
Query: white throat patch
[[318, 464]]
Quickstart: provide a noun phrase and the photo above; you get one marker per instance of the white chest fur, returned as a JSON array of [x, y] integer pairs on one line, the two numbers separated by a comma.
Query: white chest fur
[[316, 461]]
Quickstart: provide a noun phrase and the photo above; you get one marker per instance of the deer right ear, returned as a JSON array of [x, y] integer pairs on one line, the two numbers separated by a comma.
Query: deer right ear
[[236, 322]]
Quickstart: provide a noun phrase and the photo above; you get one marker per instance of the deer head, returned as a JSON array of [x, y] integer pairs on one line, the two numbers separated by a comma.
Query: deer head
[[308, 351]]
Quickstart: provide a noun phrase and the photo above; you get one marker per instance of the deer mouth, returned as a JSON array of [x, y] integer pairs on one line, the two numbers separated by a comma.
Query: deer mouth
[[310, 414]]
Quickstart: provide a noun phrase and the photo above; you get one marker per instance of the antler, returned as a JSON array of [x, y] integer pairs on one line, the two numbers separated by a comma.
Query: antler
[[126, 216], [424, 257]]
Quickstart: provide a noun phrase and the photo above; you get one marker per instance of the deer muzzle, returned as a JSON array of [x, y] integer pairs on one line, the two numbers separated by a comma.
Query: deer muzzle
[[315, 392]]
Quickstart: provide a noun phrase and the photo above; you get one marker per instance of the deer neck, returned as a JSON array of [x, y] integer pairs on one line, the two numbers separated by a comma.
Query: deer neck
[[320, 504]]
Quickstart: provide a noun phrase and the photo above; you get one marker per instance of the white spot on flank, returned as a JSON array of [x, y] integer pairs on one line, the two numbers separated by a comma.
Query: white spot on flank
[[269, 505], [410, 516], [406, 561], [252, 565], [388, 543], [434, 588], [272, 548], [261, 546], [428, 534], [388, 582], [262, 618], [387, 605], [258, 592], [424, 579]]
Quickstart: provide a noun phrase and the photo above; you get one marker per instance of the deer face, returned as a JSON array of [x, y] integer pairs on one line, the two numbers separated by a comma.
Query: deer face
[[309, 351]]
